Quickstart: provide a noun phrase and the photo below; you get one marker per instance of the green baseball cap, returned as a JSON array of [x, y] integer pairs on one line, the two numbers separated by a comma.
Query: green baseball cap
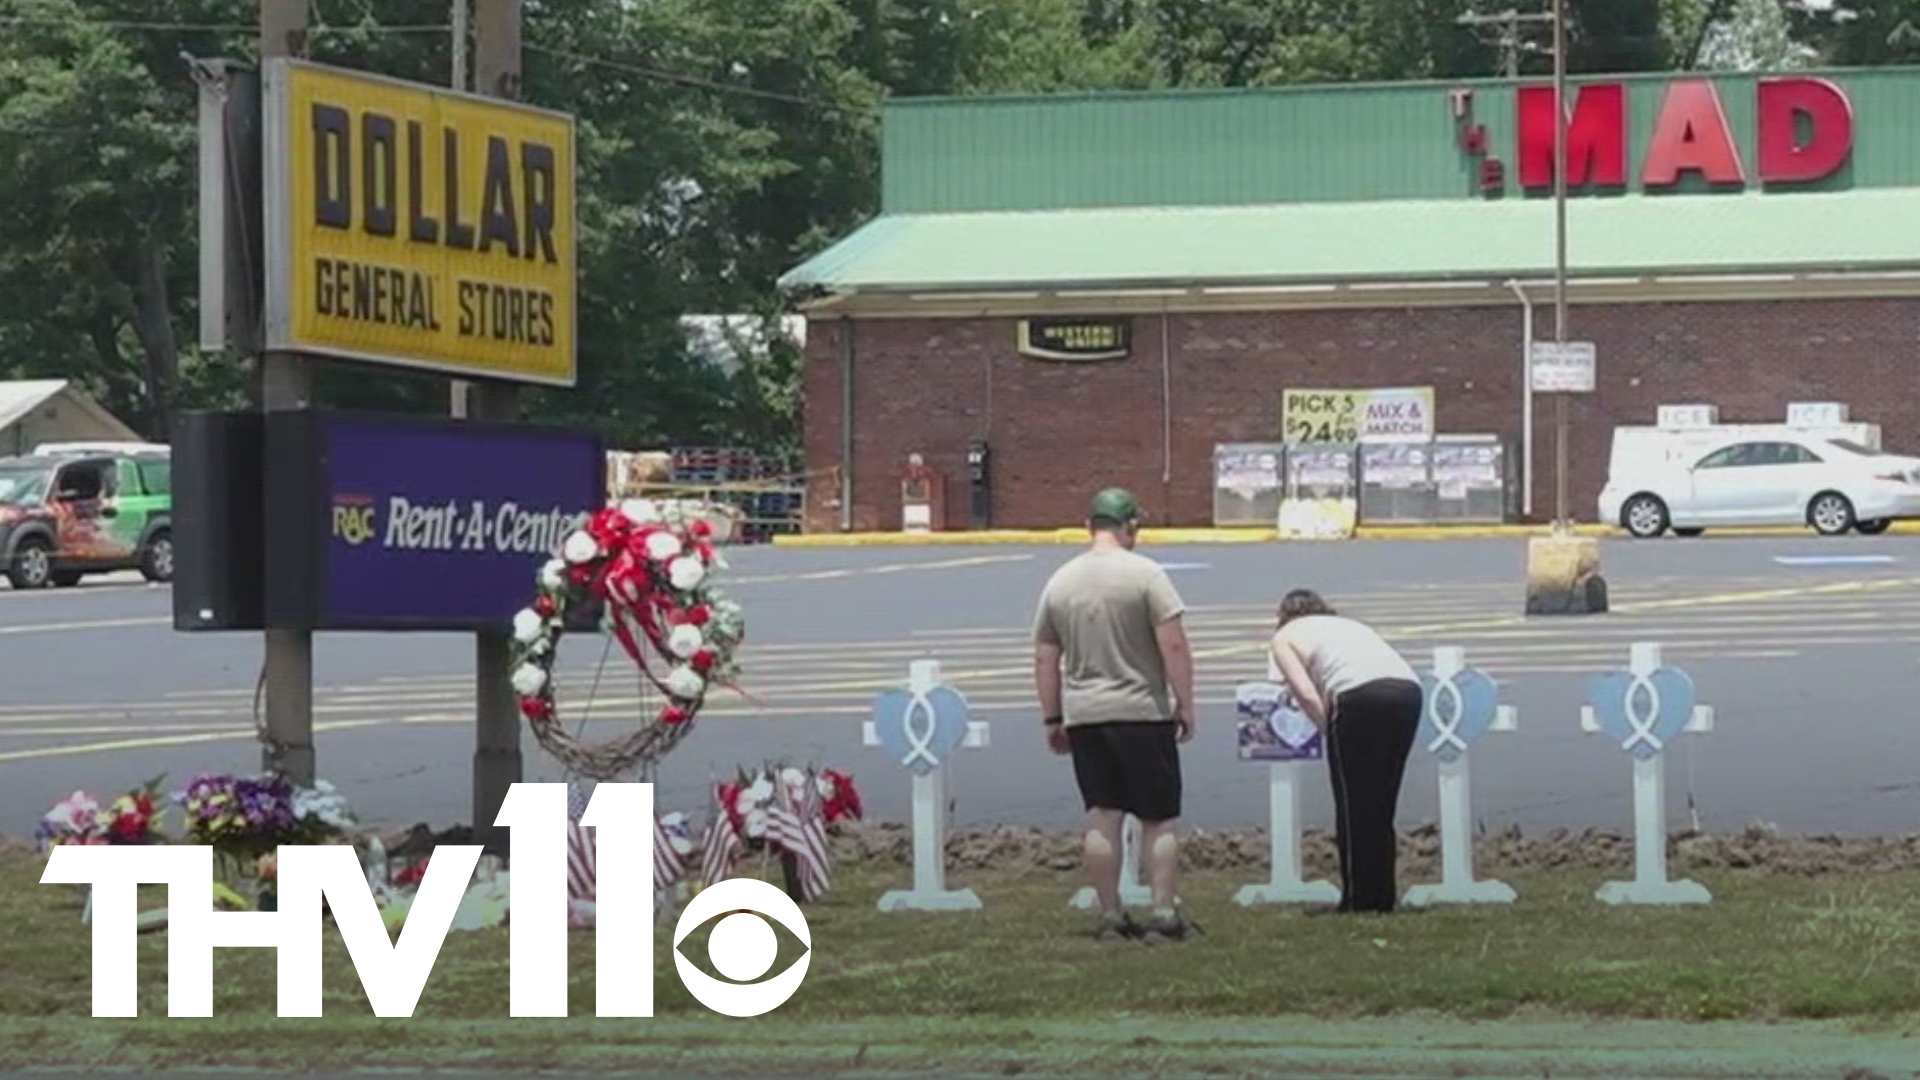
[[1116, 505]]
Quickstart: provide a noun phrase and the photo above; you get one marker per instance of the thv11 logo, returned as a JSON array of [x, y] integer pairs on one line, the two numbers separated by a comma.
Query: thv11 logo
[[393, 973]]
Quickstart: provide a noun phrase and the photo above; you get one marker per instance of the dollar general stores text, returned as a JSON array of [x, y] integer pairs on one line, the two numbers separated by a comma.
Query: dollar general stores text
[[429, 227]]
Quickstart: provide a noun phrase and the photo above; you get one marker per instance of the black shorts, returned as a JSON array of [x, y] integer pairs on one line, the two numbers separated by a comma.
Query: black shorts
[[1131, 766]]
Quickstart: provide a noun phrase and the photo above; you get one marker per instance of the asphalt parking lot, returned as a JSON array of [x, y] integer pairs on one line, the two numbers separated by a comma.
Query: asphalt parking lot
[[1806, 648]]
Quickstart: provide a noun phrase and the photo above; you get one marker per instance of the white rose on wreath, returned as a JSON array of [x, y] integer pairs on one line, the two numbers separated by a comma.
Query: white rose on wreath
[[581, 547], [825, 787], [529, 627], [762, 789], [793, 777], [663, 546], [553, 575], [686, 573], [685, 640], [756, 824], [529, 680], [685, 683]]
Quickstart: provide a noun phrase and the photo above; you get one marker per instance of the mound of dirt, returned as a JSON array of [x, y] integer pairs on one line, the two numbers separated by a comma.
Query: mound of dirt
[[1758, 848], [1014, 847]]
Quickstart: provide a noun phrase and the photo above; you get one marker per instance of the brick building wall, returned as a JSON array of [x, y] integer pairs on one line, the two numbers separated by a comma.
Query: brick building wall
[[1060, 431]]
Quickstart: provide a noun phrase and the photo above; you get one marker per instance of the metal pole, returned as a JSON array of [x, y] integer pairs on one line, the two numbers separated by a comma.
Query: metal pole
[[461, 13], [286, 383], [1511, 46], [496, 750], [1560, 254], [1527, 471], [458, 402], [847, 399]]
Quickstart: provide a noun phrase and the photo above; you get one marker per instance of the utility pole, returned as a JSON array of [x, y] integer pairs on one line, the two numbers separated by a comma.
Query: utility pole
[[1560, 156], [286, 384], [462, 12], [1510, 43], [496, 751]]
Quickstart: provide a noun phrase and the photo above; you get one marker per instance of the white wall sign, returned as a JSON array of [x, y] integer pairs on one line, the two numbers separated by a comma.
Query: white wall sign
[[1563, 368], [1682, 417], [1813, 414], [1389, 414]]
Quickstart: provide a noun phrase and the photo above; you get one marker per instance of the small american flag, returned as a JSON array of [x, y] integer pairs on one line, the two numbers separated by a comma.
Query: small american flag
[[580, 845], [668, 866], [721, 848], [796, 825]]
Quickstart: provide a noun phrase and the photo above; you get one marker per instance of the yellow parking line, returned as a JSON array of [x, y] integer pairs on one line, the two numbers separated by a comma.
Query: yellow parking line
[[722, 711], [154, 742]]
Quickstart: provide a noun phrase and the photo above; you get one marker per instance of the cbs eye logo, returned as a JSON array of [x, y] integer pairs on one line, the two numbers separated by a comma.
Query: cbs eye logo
[[742, 946]]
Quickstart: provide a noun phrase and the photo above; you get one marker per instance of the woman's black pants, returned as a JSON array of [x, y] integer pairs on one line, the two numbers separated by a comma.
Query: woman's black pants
[[1369, 735]]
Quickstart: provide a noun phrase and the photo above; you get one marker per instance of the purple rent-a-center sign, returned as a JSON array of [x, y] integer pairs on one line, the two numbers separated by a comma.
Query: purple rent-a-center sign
[[435, 524]]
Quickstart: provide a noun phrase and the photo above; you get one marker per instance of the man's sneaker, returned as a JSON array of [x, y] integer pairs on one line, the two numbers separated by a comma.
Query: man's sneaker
[[1177, 928], [1118, 927]]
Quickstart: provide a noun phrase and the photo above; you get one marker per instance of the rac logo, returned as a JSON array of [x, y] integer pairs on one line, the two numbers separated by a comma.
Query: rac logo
[[353, 519]]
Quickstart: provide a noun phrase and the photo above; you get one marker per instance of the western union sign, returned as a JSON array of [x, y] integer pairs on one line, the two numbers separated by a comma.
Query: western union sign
[[419, 227]]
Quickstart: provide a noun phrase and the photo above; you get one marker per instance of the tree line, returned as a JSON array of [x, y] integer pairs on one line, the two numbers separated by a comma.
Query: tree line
[[721, 143]]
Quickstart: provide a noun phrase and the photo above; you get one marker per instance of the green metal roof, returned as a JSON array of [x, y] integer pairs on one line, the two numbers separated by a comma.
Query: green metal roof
[[1297, 144], [1378, 241]]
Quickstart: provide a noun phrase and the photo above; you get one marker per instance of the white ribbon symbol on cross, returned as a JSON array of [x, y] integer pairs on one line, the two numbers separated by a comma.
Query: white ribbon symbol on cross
[[1641, 726], [1449, 709], [920, 736]]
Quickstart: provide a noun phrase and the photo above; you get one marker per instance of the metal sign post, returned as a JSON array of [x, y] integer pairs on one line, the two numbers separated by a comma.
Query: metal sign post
[[1561, 523], [1642, 710], [920, 728], [286, 383], [1462, 705]]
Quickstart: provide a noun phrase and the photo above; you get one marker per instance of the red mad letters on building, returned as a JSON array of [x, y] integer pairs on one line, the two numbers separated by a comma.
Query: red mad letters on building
[[1804, 128]]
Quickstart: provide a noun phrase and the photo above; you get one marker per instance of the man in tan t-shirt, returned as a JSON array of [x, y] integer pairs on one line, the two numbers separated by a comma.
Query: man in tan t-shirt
[[1115, 677]]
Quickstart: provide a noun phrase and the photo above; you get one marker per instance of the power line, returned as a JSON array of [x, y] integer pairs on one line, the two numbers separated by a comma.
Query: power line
[[640, 70], [697, 83], [215, 28], [1511, 44]]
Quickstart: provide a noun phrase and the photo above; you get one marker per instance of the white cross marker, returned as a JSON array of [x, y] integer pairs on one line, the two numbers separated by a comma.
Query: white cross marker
[[929, 892], [1650, 884], [1283, 839], [1457, 885], [1134, 891]]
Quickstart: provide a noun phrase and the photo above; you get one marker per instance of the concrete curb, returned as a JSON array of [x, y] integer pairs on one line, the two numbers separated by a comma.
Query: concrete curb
[[1151, 536]]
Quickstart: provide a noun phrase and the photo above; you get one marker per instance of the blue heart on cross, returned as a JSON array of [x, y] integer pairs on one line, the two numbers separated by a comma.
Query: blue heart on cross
[[1459, 709], [919, 731], [1643, 714]]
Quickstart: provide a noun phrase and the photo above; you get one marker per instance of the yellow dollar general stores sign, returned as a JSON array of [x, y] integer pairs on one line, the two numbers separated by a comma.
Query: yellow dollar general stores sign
[[419, 227]]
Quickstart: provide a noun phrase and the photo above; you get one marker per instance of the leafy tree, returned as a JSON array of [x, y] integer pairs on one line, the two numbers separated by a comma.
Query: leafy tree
[[1606, 36]]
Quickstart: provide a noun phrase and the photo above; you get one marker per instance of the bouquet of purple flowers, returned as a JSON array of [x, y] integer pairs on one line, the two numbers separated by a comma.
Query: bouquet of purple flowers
[[251, 816]]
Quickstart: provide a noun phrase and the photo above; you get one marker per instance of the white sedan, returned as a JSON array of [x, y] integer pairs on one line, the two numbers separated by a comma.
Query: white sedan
[[1831, 484]]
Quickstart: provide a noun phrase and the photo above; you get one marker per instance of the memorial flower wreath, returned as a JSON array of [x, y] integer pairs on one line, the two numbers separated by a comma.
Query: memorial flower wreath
[[652, 570]]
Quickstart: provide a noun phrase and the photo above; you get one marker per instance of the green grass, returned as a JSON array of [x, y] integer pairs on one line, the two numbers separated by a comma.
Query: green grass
[[1009, 980]]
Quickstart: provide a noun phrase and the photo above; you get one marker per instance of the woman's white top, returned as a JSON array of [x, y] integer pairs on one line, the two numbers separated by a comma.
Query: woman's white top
[[1341, 654]]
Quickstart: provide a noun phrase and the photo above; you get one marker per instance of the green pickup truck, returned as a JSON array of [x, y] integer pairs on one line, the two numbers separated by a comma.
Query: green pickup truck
[[65, 515]]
